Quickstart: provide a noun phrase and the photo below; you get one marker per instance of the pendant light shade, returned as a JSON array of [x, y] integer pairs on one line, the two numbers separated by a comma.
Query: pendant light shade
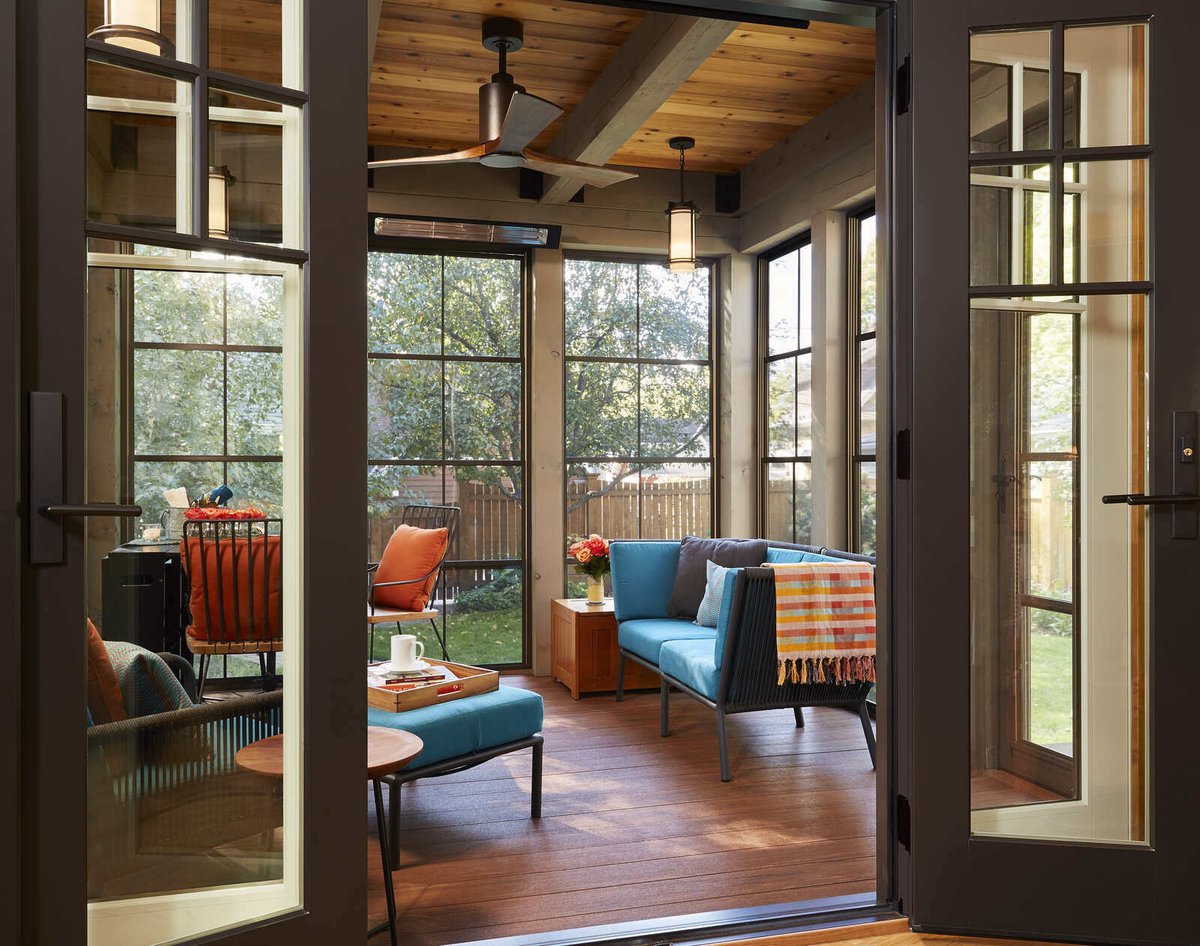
[[681, 236], [136, 25], [681, 220], [219, 182]]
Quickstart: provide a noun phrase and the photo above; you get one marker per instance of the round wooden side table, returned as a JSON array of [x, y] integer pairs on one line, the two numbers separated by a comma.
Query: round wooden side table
[[388, 751]]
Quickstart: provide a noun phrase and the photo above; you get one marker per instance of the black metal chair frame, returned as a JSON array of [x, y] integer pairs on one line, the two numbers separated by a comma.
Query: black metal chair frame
[[265, 641], [449, 767], [419, 516], [747, 681]]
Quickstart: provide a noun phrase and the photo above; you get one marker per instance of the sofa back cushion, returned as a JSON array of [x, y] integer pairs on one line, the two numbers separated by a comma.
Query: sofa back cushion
[[643, 574], [691, 577], [731, 576], [791, 556]]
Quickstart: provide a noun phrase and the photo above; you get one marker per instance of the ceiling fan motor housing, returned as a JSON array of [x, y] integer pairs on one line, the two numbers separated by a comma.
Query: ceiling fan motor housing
[[493, 105]]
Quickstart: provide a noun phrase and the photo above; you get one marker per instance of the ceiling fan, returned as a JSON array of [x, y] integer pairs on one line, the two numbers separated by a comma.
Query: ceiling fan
[[510, 118]]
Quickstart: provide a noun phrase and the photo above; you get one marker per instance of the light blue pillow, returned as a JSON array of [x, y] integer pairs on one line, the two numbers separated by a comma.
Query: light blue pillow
[[714, 592]]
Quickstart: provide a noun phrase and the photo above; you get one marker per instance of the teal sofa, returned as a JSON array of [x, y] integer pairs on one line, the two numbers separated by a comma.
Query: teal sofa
[[730, 668]]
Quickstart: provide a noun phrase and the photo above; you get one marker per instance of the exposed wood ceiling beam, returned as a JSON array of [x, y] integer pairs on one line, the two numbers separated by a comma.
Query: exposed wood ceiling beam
[[659, 55]]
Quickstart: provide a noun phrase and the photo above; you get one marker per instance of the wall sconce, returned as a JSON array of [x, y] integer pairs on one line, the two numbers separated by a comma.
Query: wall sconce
[[681, 220], [136, 25], [219, 182]]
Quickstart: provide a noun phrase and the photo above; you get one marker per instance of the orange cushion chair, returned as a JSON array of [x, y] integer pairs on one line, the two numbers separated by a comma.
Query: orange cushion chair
[[412, 558]]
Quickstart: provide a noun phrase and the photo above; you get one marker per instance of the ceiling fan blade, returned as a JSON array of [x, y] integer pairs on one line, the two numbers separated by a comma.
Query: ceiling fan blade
[[527, 117], [593, 174], [474, 153]]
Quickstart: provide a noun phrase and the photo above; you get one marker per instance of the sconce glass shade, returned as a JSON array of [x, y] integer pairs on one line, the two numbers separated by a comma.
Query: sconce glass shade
[[681, 236], [219, 182], [136, 25]]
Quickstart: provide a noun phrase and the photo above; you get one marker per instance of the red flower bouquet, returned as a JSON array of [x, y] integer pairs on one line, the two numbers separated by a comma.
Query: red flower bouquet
[[591, 556]]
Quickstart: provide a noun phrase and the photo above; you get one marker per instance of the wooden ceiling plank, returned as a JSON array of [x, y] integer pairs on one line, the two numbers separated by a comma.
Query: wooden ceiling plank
[[658, 57]]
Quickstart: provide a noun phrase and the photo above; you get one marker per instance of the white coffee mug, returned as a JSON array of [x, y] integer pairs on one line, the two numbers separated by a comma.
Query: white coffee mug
[[407, 651]]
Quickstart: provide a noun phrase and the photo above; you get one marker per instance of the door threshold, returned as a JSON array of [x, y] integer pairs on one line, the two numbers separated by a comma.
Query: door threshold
[[718, 926]]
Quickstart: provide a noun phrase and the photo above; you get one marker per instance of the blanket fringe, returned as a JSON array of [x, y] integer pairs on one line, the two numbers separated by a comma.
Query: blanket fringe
[[842, 671]]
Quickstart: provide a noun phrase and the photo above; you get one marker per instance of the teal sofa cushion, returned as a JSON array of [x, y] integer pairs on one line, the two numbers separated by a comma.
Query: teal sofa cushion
[[646, 636], [691, 663], [792, 556], [466, 725], [643, 574]]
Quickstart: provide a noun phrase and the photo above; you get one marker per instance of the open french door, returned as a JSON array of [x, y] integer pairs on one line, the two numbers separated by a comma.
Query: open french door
[[1047, 543], [148, 297]]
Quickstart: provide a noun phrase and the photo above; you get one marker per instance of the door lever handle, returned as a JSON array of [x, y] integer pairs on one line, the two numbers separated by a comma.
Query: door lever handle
[[59, 510], [1141, 499]]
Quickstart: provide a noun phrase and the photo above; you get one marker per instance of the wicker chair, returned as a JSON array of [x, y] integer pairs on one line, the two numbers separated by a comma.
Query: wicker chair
[[235, 567], [166, 802], [420, 517]]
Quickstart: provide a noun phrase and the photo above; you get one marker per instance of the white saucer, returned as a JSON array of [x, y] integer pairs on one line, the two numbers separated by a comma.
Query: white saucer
[[386, 667]]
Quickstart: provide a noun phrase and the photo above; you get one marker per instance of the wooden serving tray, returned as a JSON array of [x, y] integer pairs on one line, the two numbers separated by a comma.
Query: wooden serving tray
[[471, 680]]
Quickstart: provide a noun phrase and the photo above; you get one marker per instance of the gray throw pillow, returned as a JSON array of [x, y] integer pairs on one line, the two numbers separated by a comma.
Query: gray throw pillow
[[692, 575]]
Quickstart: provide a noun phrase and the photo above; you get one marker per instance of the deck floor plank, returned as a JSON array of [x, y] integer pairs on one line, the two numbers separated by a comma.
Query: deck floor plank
[[633, 826]]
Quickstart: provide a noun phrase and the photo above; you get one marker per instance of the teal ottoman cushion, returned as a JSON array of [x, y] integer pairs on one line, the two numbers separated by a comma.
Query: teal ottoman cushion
[[466, 725], [691, 663], [646, 636]]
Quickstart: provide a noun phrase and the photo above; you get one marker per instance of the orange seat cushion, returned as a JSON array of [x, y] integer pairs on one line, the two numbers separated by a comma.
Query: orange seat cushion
[[248, 614], [104, 699], [410, 553]]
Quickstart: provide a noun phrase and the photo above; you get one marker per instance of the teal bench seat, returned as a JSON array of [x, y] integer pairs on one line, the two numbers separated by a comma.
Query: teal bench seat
[[462, 734], [646, 636]]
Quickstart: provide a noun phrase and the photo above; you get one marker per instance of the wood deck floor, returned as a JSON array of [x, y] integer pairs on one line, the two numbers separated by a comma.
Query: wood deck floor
[[634, 826]]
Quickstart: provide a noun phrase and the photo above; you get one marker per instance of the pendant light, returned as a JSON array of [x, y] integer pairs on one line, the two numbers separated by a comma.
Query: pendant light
[[219, 182], [681, 220], [136, 25]]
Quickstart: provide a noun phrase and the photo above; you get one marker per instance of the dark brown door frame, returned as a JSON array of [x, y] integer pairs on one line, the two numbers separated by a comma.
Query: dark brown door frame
[[10, 485], [48, 52], [949, 880]]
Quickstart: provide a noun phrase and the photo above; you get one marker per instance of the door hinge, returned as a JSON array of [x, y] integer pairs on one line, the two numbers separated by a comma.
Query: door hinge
[[904, 454], [903, 87], [904, 822]]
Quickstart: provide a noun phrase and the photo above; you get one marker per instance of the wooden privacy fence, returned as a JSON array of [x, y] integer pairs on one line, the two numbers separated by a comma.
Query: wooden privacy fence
[[491, 524], [670, 508]]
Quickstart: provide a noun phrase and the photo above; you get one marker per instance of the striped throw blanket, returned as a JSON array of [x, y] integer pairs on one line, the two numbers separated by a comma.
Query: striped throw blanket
[[825, 622]]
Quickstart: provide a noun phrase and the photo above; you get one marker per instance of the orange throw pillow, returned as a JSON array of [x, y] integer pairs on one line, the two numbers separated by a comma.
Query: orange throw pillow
[[105, 702], [211, 568], [410, 553]]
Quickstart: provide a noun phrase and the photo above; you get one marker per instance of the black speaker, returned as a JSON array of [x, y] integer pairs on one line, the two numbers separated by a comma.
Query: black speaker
[[728, 193]]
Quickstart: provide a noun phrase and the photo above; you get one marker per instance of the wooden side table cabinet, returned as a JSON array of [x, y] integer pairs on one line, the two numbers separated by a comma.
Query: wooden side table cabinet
[[583, 649]]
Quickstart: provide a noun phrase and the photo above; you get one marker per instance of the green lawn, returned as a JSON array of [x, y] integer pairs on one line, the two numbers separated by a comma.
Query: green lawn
[[1050, 690], [478, 637]]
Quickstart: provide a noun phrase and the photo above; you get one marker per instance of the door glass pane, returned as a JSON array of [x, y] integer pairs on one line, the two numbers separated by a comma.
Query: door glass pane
[[135, 175], [245, 37], [172, 809], [1058, 629], [867, 504], [1114, 59], [1113, 220], [991, 226], [991, 91]]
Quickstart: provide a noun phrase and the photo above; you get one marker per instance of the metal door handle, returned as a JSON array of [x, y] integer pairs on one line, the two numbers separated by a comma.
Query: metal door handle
[[1141, 499], [58, 510]]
